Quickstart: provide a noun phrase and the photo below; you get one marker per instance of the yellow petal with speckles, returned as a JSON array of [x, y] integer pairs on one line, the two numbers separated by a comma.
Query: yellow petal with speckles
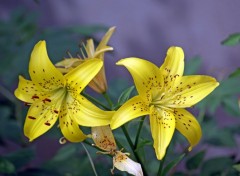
[[191, 90], [145, 74], [133, 108], [188, 126], [27, 91], [42, 72], [162, 124], [69, 127], [40, 119], [103, 138], [78, 78], [87, 114], [173, 66]]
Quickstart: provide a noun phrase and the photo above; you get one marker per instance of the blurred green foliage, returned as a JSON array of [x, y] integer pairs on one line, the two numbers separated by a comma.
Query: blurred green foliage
[[18, 35]]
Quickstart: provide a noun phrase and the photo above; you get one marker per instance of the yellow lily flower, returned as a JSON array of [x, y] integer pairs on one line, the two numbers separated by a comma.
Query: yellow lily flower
[[104, 139], [99, 82], [163, 94], [52, 95]]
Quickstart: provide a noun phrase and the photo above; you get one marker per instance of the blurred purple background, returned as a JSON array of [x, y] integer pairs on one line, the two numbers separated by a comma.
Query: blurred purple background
[[146, 29]]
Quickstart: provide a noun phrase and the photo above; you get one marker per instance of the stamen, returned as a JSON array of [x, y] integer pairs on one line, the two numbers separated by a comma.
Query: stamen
[[62, 140]]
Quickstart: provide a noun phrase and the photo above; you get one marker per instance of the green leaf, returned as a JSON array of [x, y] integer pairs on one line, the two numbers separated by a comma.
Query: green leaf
[[65, 152], [143, 143], [231, 106], [21, 157], [172, 164], [125, 95], [6, 167], [237, 167], [217, 166], [236, 73], [193, 65], [232, 40], [195, 161]]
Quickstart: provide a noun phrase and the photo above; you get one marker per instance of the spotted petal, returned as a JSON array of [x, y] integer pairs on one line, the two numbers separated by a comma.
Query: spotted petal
[[69, 126], [40, 118], [188, 126], [87, 114], [173, 66], [27, 91], [145, 74], [103, 138], [191, 90], [123, 163], [78, 78], [133, 108], [162, 124], [42, 72]]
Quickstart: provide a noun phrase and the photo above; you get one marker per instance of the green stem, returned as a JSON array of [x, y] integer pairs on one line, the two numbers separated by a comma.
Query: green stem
[[161, 164], [138, 132], [133, 149], [95, 100], [108, 99], [90, 159]]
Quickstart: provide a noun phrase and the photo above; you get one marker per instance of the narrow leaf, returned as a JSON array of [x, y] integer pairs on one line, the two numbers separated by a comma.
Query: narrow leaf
[[195, 161], [232, 40], [6, 167], [172, 164], [125, 95]]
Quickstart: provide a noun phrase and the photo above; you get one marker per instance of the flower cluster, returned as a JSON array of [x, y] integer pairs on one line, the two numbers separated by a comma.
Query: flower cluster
[[54, 93]]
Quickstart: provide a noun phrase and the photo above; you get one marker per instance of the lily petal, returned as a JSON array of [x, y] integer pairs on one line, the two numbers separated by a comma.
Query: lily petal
[[133, 108], [191, 90], [42, 71], [173, 66], [188, 126], [87, 114], [79, 77], [105, 39], [124, 163], [68, 125], [27, 91], [40, 118], [103, 138], [162, 124], [145, 74], [99, 82]]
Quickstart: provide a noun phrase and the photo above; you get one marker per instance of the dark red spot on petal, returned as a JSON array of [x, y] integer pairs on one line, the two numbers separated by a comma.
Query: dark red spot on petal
[[35, 96], [46, 99], [47, 123], [56, 111], [31, 117]]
